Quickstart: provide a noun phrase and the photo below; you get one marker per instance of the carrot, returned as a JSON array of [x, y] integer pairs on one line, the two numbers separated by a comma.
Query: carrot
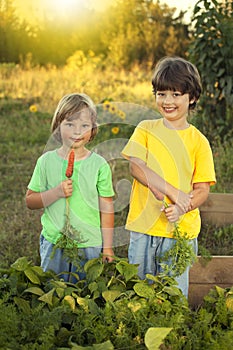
[[70, 166]]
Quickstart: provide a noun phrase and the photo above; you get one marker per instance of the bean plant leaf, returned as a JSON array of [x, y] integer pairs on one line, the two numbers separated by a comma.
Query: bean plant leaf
[[173, 291], [93, 307], [220, 291], [60, 292], [136, 305], [38, 270], [68, 299], [48, 297], [104, 346], [93, 286], [144, 290], [94, 271], [154, 337], [32, 276], [34, 290], [59, 284], [90, 263], [111, 295], [127, 270], [229, 302], [83, 302], [21, 264]]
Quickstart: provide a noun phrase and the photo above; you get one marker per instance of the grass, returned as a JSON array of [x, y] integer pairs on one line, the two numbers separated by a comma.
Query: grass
[[24, 134]]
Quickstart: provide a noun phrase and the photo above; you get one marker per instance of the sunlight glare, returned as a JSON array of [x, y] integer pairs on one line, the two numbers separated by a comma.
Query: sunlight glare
[[64, 7]]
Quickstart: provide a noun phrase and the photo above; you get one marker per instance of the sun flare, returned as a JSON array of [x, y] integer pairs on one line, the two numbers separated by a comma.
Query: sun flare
[[63, 7]]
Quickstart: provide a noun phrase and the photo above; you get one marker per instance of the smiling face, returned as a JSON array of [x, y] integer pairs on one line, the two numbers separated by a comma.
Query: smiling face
[[76, 130], [173, 106], [177, 86]]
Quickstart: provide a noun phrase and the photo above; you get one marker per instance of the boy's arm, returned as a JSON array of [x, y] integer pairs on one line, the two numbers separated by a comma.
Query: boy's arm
[[159, 187], [107, 226], [200, 194], [38, 200]]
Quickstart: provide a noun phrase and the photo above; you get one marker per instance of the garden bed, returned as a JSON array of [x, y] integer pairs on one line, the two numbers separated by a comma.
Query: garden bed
[[217, 210], [206, 275]]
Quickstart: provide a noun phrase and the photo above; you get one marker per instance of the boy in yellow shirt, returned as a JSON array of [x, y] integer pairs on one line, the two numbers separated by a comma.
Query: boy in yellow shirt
[[170, 160]]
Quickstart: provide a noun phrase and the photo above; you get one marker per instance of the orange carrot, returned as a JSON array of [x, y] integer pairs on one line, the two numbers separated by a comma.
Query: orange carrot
[[70, 166]]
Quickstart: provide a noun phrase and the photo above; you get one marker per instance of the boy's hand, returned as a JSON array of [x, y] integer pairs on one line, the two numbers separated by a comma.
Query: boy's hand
[[66, 188], [172, 212], [183, 201], [108, 255]]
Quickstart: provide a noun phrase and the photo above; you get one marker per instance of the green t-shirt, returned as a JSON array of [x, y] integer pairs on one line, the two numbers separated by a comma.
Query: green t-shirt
[[92, 179]]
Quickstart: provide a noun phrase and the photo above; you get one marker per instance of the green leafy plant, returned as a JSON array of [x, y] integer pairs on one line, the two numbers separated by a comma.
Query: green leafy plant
[[211, 51], [176, 260], [70, 236], [111, 309]]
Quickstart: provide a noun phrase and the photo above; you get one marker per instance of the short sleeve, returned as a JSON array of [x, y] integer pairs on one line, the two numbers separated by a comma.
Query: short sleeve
[[38, 182], [137, 144], [104, 183], [204, 164]]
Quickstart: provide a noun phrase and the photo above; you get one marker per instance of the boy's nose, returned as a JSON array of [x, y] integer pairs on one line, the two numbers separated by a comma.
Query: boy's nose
[[77, 130], [168, 99]]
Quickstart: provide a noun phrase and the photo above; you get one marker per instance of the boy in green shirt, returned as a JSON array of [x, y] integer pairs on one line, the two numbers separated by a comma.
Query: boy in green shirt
[[89, 190]]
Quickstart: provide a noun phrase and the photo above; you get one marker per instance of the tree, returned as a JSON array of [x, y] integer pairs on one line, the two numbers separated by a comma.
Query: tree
[[142, 31], [212, 52], [14, 36]]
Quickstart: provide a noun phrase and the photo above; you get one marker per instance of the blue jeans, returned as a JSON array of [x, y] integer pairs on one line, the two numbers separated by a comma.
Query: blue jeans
[[147, 250], [59, 264]]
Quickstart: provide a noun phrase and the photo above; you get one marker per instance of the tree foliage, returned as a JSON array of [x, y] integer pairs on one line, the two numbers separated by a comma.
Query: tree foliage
[[212, 52], [142, 31], [14, 36], [131, 31]]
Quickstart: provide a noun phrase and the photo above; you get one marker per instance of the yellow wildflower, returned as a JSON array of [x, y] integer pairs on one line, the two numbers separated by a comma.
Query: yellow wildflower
[[33, 108], [106, 105], [121, 114], [112, 109], [115, 130]]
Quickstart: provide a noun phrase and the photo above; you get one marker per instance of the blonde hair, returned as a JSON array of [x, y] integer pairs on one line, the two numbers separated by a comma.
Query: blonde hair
[[70, 104]]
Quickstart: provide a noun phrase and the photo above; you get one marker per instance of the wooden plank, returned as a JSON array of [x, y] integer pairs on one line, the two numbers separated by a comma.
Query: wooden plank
[[217, 272], [197, 292], [218, 209], [218, 202]]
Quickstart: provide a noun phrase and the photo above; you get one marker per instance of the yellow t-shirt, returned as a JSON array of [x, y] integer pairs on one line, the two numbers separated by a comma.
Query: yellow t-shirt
[[182, 158]]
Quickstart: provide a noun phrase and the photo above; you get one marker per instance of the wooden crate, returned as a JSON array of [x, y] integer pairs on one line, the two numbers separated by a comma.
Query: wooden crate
[[217, 272], [218, 210]]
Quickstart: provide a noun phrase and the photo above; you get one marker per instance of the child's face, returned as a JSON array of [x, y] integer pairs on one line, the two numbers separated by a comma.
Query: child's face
[[76, 129], [173, 105]]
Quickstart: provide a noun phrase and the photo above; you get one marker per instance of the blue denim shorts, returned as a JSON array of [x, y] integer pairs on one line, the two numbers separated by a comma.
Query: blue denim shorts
[[59, 264], [147, 250]]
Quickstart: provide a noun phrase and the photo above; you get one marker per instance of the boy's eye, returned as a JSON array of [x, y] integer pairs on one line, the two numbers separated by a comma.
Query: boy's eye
[[86, 126]]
